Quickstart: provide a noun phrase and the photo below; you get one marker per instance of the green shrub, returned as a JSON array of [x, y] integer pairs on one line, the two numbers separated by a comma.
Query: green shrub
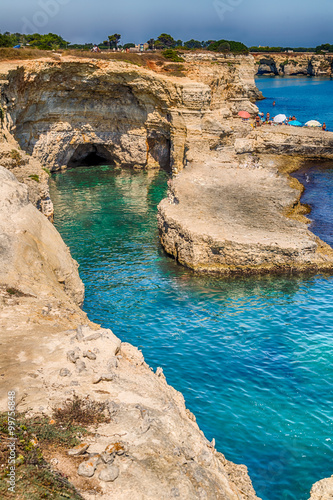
[[17, 158], [34, 177], [172, 55], [35, 477], [226, 46]]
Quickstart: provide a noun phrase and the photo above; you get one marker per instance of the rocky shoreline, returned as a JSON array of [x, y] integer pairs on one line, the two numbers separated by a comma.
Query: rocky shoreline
[[240, 213], [295, 63], [232, 207]]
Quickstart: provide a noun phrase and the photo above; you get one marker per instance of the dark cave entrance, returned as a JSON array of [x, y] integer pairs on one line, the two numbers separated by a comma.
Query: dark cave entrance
[[90, 155]]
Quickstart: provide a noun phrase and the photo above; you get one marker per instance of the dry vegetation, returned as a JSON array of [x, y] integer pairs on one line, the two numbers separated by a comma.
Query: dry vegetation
[[154, 61], [35, 437]]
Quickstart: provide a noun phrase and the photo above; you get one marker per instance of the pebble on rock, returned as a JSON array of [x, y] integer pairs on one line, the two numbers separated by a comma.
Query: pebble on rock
[[109, 473], [72, 356], [118, 448], [94, 336], [80, 366], [112, 363], [64, 372], [107, 377], [78, 450], [108, 458], [88, 468], [90, 355]]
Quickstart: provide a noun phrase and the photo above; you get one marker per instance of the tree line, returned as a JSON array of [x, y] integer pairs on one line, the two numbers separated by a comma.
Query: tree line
[[52, 41], [320, 49]]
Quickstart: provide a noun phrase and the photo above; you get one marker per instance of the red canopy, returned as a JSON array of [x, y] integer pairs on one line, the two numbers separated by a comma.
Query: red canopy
[[244, 114]]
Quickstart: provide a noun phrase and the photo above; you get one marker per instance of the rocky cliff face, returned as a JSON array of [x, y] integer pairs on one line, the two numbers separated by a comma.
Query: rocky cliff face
[[288, 64], [230, 210], [51, 352], [231, 218], [65, 112]]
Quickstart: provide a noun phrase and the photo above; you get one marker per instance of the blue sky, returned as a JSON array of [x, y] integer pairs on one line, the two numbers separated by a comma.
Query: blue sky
[[254, 22]]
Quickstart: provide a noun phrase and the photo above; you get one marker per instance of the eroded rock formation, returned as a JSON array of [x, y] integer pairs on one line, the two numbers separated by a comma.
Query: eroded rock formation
[[295, 63], [62, 112], [230, 210], [230, 217], [51, 352]]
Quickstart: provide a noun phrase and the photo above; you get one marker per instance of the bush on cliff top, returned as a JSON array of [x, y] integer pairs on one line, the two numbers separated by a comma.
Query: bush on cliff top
[[228, 46], [172, 55]]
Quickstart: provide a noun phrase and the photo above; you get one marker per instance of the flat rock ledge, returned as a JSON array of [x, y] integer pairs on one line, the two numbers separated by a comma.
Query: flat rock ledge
[[231, 218]]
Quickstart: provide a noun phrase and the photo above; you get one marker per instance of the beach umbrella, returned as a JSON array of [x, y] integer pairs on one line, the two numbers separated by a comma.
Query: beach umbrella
[[295, 123], [244, 114], [313, 123], [280, 118]]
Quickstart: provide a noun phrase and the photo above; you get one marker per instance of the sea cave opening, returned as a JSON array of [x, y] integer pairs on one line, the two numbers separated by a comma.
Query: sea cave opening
[[90, 155]]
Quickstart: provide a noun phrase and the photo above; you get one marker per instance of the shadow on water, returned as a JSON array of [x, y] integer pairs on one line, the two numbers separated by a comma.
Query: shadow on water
[[317, 178], [252, 355]]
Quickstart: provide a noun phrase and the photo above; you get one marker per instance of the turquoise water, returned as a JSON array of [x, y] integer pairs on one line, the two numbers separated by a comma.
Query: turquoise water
[[306, 98], [253, 357]]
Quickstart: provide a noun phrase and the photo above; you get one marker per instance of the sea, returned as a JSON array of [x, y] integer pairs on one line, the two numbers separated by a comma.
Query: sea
[[306, 98], [253, 356]]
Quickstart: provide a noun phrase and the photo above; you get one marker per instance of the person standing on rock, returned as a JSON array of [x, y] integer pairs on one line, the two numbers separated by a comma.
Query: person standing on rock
[[258, 121], [324, 127]]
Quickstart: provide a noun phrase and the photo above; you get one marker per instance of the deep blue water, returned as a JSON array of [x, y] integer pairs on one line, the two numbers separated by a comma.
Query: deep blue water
[[308, 98], [318, 182], [252, 356]]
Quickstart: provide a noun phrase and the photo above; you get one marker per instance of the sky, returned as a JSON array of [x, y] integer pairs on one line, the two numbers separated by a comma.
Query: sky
[[305, 23]]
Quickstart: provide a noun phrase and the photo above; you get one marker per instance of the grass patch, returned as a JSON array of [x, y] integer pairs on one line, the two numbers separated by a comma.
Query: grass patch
[[172, 55], [34, 177], [17, 158], [7, 54], [34, 476], [81, 411], [47, 171], [144, 59]]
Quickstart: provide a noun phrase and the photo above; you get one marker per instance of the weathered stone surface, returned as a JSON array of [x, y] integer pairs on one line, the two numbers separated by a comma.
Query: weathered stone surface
[[291, 141], [133, 116], [88, 468], [323, 490], [225, 211], [33, 257], [287, 64], [232, 220], [109, 473], [78, 450]]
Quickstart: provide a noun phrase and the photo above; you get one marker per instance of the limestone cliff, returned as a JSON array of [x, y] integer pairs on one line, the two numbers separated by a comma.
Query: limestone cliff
[[51, 352], [295, 63], [231, 209], [61, 112]]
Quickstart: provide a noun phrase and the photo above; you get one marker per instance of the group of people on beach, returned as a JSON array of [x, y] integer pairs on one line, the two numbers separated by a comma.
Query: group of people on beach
[[259, 120]]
